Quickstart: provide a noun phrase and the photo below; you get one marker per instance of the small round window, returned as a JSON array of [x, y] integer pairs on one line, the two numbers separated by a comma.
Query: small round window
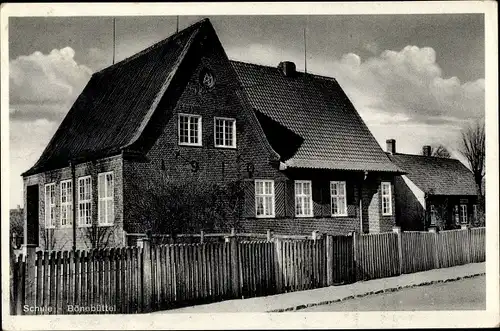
[[207, 78]]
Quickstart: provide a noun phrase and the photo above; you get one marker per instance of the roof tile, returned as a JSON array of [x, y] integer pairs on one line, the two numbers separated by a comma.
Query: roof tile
[[436, 175], [315, 108]]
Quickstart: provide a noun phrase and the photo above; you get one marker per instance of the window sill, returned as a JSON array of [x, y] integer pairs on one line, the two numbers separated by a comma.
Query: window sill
[[304, 216], [84, 225], [190, 145], [225, 147], [105, 225], [340, 215], [265, 216], [69, 226]]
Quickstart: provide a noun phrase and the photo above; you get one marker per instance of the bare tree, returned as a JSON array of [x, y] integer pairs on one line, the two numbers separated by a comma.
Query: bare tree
[[96, 236], [173, 207], [473, 148], [439, 151], [16, 226], [49, 238]]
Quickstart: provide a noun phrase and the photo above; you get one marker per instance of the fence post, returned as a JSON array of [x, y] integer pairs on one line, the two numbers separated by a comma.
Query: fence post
[[278, 265], [269, 235], [354, 255], [30, 276], [146, 274], [468, 244], [235, 266], [329, 259], [397, 231], [202, 234], [436, 247]]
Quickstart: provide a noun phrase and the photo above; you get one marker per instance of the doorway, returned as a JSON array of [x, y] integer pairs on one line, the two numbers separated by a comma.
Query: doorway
[[32, 215]]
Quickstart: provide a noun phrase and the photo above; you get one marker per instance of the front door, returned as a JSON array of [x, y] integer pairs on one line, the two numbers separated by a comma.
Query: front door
[[32, 203]]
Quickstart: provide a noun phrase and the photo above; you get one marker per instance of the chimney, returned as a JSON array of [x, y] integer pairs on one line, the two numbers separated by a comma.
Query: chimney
[[391, 146], [426, 150], [287, 68]]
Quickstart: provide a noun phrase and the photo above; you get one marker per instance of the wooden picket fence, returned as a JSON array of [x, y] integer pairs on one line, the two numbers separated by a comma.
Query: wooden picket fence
[[428, 250], [156, 277], [377, 256], [418, 251]]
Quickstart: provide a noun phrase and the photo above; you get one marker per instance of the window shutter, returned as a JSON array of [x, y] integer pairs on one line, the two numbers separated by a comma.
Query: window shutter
[[326, 200], [289, 198], [280, 187], [249, 193], [351, 198], [317, 197], [350, 187]]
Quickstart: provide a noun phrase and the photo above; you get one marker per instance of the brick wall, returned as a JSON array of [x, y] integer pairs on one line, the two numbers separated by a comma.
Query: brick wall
[[170, 162], [373, 220], [306, 225], [61, 238]]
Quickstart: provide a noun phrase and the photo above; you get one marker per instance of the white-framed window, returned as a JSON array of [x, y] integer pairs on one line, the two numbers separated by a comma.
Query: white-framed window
[[433, 215], [463, 213], [338, 198], [225, 132], [66, 203], [456, 214], [386, 199], [189, 130], [105, 189], [264, 198], [50, 206], [303, 198], [85, 201]]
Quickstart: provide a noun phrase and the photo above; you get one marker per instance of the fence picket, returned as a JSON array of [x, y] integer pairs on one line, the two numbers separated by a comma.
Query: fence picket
[[191, 273]]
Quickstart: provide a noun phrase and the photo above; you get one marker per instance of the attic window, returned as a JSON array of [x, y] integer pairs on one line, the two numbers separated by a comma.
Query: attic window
[[225, 132], [189, 130]]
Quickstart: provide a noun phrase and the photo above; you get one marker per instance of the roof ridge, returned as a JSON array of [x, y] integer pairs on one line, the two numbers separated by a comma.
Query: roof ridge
[[300, 72], [160, 43], [419, 155]]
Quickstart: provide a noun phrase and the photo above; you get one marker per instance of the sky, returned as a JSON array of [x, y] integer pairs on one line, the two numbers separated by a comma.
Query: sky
[[418, 79]]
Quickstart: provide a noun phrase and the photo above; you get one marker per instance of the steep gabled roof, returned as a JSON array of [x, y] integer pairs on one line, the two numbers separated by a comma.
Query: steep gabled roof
[[316, 109], [435, 175], [116, 104], [307, 119]]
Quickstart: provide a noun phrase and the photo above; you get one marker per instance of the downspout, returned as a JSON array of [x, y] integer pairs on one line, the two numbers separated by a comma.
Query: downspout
[[73, 191]]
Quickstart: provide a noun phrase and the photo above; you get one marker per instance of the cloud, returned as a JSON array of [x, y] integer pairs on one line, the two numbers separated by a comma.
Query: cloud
[[263, 54], [45, 84], [26, 143], [409, 83], [399, 94], [372, 47], [98, 59], [396, 86]]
